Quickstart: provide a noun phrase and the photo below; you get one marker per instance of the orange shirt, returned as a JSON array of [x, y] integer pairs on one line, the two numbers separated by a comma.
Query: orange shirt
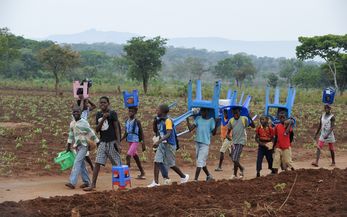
[[265, 134]]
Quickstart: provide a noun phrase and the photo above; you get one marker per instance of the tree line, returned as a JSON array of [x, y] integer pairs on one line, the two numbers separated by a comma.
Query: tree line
[[143, 59]]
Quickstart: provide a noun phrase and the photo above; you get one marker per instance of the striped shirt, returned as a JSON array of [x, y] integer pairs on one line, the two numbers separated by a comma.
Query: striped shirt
[[80, 132]]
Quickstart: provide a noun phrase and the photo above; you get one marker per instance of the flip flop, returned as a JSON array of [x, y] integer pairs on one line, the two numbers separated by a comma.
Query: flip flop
[[141, 177], [314, 164]]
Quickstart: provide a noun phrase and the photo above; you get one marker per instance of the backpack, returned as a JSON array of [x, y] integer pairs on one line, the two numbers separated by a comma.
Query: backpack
[[136, 124], [173, 131]]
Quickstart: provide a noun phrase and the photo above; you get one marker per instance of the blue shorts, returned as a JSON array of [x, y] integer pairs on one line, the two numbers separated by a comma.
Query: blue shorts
[[201, 154]]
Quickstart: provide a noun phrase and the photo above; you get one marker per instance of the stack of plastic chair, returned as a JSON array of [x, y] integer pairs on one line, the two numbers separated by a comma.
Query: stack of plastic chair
[[328, 95], [194, 105], [131, 99], [276, 104], [77, 85], [232, 103], [121, 177]]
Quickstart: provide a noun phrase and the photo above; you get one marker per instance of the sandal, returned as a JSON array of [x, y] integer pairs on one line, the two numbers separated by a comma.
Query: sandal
[[314, 164], [140, 177], [84, 185], [89, 188], [69, 185]]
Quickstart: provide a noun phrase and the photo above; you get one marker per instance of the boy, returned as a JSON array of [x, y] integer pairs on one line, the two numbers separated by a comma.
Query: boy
[[108, 126], [264, 137], [86, 107], [134, 135], [326, 128], [283, 138], [79, 133], [238, 124], [204, 128], [165, 148], [226, 144]]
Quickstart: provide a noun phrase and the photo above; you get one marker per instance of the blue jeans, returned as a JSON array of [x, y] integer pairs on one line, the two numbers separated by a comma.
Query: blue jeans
[[79, 166]]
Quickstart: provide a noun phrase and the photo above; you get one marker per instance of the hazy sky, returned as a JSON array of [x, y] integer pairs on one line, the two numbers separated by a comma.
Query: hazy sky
[[233, 19]]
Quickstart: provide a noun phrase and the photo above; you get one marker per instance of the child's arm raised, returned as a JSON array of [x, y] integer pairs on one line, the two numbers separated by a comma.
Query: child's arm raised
[[252, 122], [191, 127], [92, 105]]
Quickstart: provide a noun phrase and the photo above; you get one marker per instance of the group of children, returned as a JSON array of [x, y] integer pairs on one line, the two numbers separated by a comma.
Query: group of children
[[273, 142]]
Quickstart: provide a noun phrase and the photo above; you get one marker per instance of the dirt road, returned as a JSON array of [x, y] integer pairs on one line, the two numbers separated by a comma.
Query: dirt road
[[16, 189]]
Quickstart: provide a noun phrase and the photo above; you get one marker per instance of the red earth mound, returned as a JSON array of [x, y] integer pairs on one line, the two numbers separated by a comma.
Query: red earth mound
[[297, 193]]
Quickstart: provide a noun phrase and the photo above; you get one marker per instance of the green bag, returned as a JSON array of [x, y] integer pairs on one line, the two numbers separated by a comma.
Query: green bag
[[65, 159]]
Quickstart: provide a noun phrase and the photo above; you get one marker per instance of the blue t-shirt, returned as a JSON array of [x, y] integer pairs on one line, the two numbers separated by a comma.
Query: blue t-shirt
[[204, 128], [132, 131]]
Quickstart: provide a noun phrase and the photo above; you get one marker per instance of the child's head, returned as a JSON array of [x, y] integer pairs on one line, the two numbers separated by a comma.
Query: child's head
[[76, 112], [132, 111], [104, 102], [282, 116], [236, 113], [327, 108], [225, 113], [264, 120], [163, 110], [204, 112]]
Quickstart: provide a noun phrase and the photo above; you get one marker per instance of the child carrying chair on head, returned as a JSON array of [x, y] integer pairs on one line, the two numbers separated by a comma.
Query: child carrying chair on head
[[86, 107], [284, 136], [204, 128], [238, 125], [326, 128], [134, 135]]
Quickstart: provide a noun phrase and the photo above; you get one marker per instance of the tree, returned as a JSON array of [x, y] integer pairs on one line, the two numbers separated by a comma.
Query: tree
[[145, 58], [272, 80], [59, 60], [195, 66], [288, 68], [224, 69], [242, 68], [341, 69], [327, 47], [9, 50], [308, 76]]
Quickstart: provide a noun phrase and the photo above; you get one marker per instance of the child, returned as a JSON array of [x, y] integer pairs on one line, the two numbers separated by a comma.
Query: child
[[283, 138], [79, 133], [226, 144], [108, 126], [165, 148], [86, 107], [238, 125], [133, 135], [264, 137], [204, 127], [326, 128]]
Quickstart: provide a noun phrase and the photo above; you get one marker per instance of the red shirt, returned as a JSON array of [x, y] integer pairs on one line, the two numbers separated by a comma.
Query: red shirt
[[265, 134], [283, 141]]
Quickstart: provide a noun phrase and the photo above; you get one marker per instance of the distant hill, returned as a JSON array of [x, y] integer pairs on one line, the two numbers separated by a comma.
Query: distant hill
[[258, 48]]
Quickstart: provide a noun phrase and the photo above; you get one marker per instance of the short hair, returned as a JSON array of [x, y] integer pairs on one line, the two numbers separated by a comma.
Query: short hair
[[236, 109], [76, 107], [105, 98], [282, 113], [164, 108], [265, 117], [133, 107]]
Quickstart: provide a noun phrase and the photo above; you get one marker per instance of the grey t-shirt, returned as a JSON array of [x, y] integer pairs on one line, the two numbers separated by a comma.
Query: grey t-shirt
[[238, 127]]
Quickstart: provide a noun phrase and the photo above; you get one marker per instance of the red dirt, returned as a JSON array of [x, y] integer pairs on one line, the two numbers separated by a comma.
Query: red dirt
[[315, 193]]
